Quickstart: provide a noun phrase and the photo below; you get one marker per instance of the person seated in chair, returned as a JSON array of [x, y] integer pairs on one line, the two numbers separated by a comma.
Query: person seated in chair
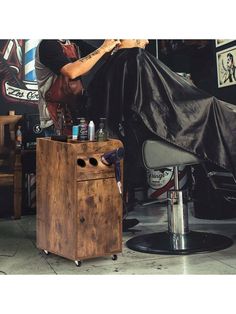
[[142, 98]]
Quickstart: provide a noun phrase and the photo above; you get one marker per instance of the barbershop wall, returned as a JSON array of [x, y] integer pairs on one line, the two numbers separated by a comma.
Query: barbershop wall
[[198, 57], [227, 90]]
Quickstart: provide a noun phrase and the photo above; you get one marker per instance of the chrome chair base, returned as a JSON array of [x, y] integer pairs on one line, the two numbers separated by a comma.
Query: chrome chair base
[[173, 244]]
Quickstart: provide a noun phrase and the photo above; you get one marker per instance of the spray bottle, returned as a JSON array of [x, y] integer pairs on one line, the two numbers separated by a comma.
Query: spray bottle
[[91, 131]]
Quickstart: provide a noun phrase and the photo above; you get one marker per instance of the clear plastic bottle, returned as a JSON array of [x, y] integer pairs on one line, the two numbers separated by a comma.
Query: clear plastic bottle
[[19, 137], [102, 134]]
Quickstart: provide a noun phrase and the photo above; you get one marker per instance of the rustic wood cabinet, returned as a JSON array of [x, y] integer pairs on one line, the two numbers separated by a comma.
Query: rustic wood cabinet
[[79, 208]]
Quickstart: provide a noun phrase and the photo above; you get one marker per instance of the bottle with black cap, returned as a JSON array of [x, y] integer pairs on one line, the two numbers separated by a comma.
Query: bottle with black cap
[[102, 134]]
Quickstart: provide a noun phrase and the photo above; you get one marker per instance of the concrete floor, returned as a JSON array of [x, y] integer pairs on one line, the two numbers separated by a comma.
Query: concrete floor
[[19, 255]]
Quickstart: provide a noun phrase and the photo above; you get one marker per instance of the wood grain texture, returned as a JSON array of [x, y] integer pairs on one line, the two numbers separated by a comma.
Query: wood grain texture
[[6, 179], [79, 209], [99, 218], [10, 120]]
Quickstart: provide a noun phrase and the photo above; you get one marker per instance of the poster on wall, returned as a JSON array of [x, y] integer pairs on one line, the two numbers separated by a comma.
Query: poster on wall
[[226, 67], [18, 84], [221, 42]]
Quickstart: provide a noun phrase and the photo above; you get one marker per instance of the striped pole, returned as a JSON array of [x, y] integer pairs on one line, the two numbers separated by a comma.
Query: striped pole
[[31, 190], [29, 62]]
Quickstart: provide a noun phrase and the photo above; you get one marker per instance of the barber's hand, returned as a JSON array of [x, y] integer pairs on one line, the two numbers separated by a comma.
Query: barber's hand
[[110, 44]]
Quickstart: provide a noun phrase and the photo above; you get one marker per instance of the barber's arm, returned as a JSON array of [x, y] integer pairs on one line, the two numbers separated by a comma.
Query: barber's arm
[[83, 65]]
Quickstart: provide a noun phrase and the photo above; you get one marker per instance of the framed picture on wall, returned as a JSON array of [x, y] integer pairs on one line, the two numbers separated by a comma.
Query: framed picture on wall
[[221, 42], [226, 67]]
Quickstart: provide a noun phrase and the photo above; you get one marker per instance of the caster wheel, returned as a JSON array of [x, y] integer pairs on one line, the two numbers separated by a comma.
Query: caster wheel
[[78, 263], [46, 252], [114, 257]]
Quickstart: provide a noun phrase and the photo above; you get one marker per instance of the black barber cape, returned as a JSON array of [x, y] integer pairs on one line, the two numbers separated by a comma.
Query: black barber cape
[[132, 82]]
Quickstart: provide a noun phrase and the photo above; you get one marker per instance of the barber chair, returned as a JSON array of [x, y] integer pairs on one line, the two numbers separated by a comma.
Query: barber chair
[[178, 239]]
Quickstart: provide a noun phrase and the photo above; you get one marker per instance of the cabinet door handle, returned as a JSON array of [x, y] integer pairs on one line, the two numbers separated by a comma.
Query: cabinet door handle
[[82, 220]]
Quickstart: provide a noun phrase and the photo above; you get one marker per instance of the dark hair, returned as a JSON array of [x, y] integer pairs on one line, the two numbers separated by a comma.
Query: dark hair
[[229, 55]]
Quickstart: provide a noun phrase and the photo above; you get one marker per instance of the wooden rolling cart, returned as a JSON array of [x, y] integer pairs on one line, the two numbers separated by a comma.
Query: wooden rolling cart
[[79, 208]]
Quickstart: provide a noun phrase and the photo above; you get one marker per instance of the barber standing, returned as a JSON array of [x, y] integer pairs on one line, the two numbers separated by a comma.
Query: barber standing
[[57, 64]]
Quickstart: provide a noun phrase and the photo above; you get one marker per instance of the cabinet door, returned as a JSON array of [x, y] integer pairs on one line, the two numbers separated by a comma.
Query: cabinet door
[[99, 218]]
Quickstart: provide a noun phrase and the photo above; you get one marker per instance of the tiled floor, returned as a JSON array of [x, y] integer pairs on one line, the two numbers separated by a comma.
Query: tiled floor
[[19, 255]]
